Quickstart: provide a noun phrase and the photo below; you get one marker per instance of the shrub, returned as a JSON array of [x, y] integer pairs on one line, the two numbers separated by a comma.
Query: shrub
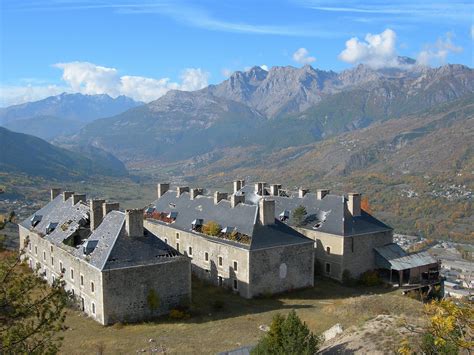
[[211, 228], [178, 314], [370, 278]]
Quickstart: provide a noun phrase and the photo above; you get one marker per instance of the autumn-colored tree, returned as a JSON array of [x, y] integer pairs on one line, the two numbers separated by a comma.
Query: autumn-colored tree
[[364, 204], [211, 228], [450, 329]]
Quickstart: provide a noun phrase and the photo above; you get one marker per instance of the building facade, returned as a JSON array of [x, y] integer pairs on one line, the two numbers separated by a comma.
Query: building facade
[[109, 262]]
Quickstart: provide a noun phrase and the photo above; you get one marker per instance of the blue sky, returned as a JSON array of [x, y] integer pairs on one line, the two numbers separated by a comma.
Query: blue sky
[[144, 48]]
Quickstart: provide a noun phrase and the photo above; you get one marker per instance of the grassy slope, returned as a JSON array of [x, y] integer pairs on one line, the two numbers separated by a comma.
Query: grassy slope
[[209, 331]]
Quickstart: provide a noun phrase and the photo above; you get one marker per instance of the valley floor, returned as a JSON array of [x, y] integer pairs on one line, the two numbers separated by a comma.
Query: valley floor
[[209, 330]]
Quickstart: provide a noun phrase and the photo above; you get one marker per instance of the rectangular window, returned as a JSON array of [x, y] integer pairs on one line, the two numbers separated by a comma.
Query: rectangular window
[[52, 261], [44, 256], [236, 285], [82, 280], [177, 246], [36, 250], [190, 251], [93, 308], [328, 250], [177, 235], [166, 240], [53, 278], [328, 268], [219, 280], [235, 266], [29, 246], [206, 256], [51, 248], [220, 260], [92, 287], [61, 270], [72, 274]]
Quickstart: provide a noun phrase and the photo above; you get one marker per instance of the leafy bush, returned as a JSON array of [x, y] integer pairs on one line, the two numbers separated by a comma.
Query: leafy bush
[[211, 228], [288, 336], [370, 278], [178, 314]]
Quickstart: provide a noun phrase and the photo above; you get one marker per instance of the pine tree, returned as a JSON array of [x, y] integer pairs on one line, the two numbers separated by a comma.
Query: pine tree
[[288, 336], [299, 215]]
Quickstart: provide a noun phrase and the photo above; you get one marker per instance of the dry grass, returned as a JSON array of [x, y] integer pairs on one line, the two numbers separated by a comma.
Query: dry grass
[[210, 331]]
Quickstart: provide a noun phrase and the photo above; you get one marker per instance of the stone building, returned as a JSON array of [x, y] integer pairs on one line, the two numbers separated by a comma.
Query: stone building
[[117, 270], [251, 252], [259, 248], [344, 235]]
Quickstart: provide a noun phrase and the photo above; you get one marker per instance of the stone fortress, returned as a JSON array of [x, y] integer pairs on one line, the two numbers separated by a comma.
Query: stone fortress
[[114, 262]]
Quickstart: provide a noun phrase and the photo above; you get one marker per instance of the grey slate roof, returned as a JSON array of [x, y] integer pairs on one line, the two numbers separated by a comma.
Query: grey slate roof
[[243, 217], [113, 248], [330, 212], [398, 259]]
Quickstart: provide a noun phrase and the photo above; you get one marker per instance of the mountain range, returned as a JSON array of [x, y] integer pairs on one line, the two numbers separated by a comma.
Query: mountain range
[[63, 114], [23, 153], [275, 109]]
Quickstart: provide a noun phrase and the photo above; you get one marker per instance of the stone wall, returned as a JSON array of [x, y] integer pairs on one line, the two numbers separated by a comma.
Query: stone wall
[[210, 271], [359, 255], [78, 274], [324, 256], [279, 269], [128, 291]]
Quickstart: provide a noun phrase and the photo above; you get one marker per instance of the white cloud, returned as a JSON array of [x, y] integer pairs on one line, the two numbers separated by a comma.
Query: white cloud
[[437, 53], [264, 67], [89, 78], [378, 50], [13, 95], [302, 56]]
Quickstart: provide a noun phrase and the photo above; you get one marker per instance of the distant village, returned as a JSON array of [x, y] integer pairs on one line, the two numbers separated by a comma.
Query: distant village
[[260, 239]]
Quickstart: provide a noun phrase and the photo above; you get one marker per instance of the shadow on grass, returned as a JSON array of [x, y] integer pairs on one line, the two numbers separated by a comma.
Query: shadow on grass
[[212, 303]]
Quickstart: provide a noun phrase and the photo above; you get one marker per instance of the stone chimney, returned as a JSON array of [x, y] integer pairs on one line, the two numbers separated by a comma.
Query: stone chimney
[[219, 196], [236, 199], [181, 189], [266, 211], [302, 192], [237, 185], [134, 222], [67, 194], [162, 188], [55, 193], [353, 204], [259, 188], [78, 197], [109, 206], [320, 193], [274, 188], [96, 213], [195, 192]]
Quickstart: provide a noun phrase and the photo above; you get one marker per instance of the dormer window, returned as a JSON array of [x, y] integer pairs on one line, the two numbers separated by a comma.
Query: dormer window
[[284, 215], [36, 219], [228, 230], [197, 224], [51, 227], [173, 215]]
